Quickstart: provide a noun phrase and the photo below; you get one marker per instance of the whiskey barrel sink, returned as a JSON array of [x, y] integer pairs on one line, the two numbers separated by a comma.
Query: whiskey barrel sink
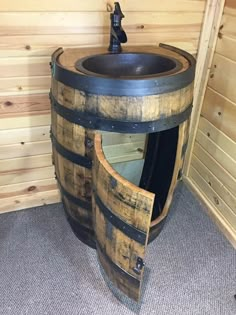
[[146, 90]]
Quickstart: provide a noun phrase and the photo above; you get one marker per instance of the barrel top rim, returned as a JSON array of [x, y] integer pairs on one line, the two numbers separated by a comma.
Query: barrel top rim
[[64, 70], [69, 56]]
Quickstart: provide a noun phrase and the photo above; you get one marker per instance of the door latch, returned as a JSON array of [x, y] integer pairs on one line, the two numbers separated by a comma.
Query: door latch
[[139, 265]]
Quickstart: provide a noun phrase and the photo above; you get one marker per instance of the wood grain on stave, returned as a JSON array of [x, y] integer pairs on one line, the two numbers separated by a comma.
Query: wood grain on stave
[[125, 107], [130, 204]]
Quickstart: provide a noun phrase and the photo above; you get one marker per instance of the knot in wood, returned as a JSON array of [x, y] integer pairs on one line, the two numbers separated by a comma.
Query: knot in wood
[[8, 103], [31, 188]]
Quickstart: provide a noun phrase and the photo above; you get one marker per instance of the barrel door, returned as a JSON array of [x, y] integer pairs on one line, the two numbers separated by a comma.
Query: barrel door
[[122, 214]]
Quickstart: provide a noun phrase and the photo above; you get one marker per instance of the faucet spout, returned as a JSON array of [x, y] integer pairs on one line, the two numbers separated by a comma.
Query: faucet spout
[[117, 34]]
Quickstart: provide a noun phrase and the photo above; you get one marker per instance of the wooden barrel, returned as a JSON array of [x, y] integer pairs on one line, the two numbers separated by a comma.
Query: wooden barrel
[[83, 103]]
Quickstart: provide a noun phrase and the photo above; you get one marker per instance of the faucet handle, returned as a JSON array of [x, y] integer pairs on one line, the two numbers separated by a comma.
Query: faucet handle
[[118, 11]]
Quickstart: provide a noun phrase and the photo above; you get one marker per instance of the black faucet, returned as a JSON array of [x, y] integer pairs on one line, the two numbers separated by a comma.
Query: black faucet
[[117, 34]]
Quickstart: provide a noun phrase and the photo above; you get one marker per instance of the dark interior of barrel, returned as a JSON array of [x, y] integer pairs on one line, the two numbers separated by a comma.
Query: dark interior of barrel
[[159, 166], [157, 169]]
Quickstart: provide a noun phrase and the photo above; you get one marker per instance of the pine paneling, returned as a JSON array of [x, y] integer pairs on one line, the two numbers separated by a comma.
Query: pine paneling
[[220, 111], [213, 165], [44, 45], [103, 5]]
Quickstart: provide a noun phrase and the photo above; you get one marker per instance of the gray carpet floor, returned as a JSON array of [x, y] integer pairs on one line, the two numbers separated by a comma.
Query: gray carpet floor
[[45, 269]]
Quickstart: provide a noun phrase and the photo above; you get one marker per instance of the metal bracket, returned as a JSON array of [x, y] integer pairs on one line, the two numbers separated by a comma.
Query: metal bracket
[[52, 67], [113, 182], [139, 266]]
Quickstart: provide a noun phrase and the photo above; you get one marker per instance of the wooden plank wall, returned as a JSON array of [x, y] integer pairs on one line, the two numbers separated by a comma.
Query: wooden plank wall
[[213, 164], [30, 31]]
